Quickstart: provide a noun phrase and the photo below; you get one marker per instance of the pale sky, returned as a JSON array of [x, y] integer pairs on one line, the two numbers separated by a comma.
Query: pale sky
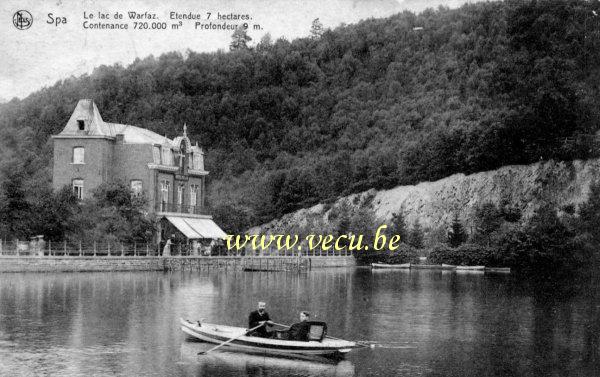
[[43, 54]]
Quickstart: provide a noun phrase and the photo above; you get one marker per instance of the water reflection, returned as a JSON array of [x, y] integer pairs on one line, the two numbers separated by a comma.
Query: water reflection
[[224, 363], [421, 322]]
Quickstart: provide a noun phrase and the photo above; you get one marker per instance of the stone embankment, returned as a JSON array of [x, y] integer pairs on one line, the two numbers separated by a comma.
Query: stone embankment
[[174, 263]]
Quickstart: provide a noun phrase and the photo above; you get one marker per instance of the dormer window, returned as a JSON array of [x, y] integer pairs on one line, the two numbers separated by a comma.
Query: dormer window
[[156, 154], [78, 155], [81, 124], [167, 156], [198, 161]]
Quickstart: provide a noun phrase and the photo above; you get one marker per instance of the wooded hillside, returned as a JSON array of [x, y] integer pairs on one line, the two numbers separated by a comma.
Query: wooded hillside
[[373, 105]]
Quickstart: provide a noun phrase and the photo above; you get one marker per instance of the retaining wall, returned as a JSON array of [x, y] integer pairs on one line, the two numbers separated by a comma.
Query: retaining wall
[[72, 264]]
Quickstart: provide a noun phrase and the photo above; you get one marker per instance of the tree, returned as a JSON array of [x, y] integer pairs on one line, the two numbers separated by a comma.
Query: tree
[[398, 226], [589, 215], [15, 210], [457, 234], [266, 42], [363, 223], [239, 39], [545, 245], [114, 214], [415, 237], [344, 223], [54, 213], [487, 220], [316, 29]]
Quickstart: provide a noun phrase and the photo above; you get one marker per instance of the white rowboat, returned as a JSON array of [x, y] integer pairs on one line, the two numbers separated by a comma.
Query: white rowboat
[[471, 268], [386, 265], [217, 334]]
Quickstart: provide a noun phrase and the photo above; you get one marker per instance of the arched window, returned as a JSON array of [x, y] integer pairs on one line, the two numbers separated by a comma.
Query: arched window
[[78, 155]]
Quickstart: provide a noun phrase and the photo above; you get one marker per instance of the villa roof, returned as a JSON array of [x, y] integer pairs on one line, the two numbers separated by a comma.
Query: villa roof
[[87, 111]]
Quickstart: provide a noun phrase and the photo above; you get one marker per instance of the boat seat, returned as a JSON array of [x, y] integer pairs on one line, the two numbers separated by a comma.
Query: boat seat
[[317, 331]]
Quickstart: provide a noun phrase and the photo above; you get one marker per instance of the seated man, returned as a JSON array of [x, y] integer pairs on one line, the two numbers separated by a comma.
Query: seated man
[[300, 330], [258, 317]]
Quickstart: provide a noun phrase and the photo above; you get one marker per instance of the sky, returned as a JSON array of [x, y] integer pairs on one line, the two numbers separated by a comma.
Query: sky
[[48, 51]]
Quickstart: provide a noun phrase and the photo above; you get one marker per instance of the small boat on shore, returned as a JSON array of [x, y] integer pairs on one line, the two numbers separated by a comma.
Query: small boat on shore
[[448, 266], [498, 270], [387, 265], [319, 344], [433, 266], [470, 268]]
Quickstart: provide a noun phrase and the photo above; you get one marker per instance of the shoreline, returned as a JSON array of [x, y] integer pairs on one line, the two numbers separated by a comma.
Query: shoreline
[[9, 264]]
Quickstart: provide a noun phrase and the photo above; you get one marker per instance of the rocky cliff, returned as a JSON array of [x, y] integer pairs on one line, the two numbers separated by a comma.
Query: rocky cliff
[[525, 187]]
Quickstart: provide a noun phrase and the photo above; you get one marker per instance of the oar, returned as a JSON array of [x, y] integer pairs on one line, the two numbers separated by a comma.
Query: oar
[[230, 340], [358, 342]]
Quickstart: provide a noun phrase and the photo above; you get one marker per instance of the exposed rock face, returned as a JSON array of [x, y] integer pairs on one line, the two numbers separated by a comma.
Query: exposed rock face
[[524, 187]]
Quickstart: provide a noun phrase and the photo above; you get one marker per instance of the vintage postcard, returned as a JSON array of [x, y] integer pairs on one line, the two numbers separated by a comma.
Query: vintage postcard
[[300, 188]]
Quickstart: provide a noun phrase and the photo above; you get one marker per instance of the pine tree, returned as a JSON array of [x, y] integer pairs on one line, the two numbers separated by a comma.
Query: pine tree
[[398, 226], [316, 29], [457, 234], [415, 237], [239, 39]]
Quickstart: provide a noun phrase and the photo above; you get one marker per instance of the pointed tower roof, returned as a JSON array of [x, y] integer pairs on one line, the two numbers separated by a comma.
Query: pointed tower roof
[[87, 112], [87, 122]]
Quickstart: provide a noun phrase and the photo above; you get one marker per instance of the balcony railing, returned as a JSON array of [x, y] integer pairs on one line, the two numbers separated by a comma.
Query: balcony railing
[[182, 208]]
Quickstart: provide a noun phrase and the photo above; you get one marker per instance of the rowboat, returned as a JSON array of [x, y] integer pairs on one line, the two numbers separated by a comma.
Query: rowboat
[[449, 266], [433, 267], [498, 270], [386, 265], [471, 268], [318, 345]]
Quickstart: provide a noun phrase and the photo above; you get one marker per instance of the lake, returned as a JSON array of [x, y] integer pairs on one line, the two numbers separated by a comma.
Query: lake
[[421, 323]]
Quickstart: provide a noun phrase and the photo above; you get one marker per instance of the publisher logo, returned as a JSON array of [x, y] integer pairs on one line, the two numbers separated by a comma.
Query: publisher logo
[[22, 19]]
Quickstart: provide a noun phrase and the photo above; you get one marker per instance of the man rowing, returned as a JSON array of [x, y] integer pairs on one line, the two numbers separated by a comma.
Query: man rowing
[[257, 318]]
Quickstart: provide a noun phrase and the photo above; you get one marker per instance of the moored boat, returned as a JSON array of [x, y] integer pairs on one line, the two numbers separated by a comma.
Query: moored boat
[[471, 268], [433, 267], [387, 265], [498, 270], [318, 344], [448, 266]]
